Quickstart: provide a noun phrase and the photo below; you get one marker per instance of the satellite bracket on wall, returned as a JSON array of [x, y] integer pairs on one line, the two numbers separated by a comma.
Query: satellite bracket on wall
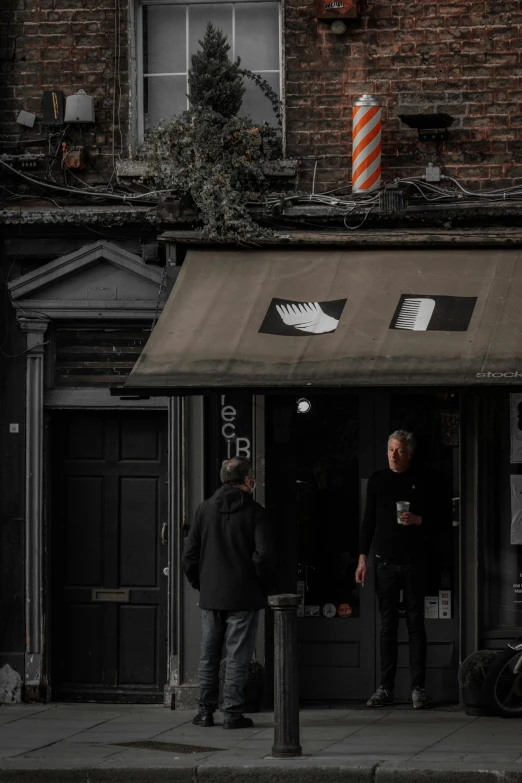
[[430, 127]]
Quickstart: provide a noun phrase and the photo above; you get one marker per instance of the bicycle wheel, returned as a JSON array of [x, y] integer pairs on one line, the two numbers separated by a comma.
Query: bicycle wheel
[[503, 686]]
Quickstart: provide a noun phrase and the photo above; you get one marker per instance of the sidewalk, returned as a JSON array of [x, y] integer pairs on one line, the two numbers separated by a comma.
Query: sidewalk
[[80, 742]]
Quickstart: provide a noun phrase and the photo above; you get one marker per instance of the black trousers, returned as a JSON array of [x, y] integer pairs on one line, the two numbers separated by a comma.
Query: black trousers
[[391, 578]]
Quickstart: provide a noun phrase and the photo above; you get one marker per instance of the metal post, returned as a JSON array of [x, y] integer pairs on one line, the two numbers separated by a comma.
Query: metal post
[[286, 680]]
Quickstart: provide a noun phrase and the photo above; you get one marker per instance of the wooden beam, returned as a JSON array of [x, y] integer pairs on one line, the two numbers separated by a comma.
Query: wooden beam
[[383, 238]]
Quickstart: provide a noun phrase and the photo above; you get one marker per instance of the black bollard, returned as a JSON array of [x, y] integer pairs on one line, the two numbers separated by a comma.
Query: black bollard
[[286, 677]]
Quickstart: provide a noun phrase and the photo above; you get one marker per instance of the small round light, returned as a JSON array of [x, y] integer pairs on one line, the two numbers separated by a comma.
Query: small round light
[[339, 27], [304, 405]]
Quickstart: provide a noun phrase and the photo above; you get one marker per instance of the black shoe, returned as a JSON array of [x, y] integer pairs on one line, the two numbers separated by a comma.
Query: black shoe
[[203, 719], [381, 698], [419, 698], [238, 723]]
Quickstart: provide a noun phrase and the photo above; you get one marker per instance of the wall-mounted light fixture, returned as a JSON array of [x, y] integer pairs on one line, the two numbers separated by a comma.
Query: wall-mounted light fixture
[[304, 405], [79, 108]]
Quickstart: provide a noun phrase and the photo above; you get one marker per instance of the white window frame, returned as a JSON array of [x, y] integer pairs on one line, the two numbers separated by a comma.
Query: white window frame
[[138, 50]]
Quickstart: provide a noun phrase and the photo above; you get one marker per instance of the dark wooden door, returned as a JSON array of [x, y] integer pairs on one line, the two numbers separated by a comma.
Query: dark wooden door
[[107, 555]]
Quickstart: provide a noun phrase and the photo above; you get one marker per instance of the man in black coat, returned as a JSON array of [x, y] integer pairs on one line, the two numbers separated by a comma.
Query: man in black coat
[[228, 557], [404, 506]]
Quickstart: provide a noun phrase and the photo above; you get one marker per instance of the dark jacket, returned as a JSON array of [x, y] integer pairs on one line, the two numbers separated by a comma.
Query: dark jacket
[[429, 498], [228, 553]]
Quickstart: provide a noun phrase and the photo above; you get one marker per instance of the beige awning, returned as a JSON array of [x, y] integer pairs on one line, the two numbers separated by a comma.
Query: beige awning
[[272, 318]]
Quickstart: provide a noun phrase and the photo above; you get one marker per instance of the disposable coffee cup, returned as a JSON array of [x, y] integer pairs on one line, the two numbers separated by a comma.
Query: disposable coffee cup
[[402, 506]]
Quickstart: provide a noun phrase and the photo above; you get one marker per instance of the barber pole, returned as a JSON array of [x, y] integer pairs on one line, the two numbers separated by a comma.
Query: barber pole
[[366, 145]]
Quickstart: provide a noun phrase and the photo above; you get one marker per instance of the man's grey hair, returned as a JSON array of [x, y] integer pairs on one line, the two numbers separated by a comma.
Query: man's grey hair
[[235, 470], [409, 437]]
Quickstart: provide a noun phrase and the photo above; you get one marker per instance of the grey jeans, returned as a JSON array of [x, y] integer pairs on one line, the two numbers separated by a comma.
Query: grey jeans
[[238, 631]]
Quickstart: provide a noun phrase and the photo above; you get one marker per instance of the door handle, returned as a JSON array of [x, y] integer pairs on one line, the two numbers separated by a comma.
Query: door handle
[[164, 534]]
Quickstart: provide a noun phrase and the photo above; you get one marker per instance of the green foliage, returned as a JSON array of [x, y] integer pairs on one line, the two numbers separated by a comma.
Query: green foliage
[[209, 153], [217, 162], [214, 81]]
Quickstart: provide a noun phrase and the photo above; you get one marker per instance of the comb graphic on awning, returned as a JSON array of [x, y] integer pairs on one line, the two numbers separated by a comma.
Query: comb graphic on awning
[[434, 313]]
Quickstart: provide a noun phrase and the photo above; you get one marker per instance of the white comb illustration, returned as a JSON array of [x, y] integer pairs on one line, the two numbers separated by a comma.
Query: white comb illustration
[[415, 314], [307, 317]]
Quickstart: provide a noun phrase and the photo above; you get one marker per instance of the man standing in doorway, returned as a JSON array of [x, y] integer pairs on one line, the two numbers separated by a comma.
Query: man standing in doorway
[[401, 552], [228, 557]]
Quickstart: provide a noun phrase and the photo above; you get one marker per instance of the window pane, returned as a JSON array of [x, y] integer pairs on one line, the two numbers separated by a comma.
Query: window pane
[[255, 104], [166, 47], [165, 98], [257, 35], [199, 15]]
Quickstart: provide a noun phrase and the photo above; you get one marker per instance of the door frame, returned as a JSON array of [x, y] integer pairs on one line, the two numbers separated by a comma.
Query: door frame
[[34, 313], [462, 620], [374, 427], [99, 399]]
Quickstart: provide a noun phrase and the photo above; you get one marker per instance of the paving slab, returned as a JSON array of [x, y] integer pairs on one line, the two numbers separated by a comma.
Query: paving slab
[[71, 743]]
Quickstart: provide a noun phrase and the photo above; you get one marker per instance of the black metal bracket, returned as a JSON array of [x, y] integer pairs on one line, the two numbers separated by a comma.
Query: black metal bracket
[[430, 127], [437, 135]]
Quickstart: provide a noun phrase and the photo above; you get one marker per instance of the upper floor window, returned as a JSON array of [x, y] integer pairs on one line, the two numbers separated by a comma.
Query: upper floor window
[[168, 35]]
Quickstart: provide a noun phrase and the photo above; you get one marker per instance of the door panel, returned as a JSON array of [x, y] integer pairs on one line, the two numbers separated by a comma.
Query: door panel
[[138, 630], [139, 534], [109, 594], [83, 659]]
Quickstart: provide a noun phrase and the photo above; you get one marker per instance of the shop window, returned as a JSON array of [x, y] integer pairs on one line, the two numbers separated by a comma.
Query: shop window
[[313, 496], [168, 35], [500, 508]]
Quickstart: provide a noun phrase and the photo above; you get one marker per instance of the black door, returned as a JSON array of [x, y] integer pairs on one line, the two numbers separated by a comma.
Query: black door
[[319, 454], [107, 528]]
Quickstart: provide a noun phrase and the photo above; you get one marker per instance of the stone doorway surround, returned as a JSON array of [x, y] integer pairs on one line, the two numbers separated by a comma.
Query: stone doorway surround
[[99, 282]]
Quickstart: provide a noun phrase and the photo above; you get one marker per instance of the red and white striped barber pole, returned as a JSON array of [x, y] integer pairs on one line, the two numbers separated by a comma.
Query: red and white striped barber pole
[[366, 145]]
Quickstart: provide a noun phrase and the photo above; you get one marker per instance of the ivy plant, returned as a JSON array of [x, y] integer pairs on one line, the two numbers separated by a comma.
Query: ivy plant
[[209, 153]]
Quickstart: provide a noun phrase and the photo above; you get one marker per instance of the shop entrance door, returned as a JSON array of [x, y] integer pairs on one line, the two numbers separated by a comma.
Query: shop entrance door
[[319, 456], [107, 554], [316, 465]]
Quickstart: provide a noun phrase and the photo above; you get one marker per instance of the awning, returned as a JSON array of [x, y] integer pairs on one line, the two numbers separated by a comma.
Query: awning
[[275, 318]]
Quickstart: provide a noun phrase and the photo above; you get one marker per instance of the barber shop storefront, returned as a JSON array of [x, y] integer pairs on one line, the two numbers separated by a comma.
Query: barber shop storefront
[[303, 359], [306, 360]]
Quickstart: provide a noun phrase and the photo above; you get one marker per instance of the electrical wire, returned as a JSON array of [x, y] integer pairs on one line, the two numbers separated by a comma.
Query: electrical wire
[[113, 196], [22, 353]]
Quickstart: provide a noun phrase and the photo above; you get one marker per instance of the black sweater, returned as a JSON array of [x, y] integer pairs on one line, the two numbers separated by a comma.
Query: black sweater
[[428, 498], [228, 553]]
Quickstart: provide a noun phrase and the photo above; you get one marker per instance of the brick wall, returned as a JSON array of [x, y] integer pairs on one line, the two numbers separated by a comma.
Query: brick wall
[[66, 45], [462, 57]]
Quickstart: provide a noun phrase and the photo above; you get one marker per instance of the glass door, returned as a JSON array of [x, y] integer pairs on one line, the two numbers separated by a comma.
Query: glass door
[[434, 418], [319, 454]]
